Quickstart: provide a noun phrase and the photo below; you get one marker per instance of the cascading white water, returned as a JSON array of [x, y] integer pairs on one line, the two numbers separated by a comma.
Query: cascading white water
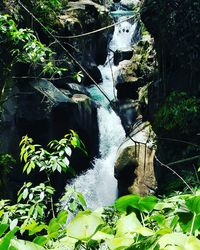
[[98, 185]]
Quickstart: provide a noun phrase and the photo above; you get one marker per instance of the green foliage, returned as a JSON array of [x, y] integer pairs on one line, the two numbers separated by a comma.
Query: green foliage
[[49, 161], [179, 111], [35, 203], [73, 201], [135, 201], [167, 223], [47, 11], [6, 161], [78, 76], [150, 224], [26, 47], [6, 164]]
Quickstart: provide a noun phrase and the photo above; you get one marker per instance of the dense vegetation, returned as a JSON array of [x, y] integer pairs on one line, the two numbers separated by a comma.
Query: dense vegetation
[[132, 222], [34, 221]]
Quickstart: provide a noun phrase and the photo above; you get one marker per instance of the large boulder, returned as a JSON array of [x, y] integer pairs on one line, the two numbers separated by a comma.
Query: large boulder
[[134, 166], [127, 91], [129, 112], [129, 4], [73, 88], [120, 55]]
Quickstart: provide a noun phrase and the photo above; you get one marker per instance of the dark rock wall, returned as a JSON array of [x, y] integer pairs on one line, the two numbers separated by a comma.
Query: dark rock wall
[[175, 28]]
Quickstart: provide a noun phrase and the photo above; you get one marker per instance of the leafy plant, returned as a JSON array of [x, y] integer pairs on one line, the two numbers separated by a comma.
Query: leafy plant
[[26, 47], [57, 159], [178, 112], [6, 164], [35, 203]]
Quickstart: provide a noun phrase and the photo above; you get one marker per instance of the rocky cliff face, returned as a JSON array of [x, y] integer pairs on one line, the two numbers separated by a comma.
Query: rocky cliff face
[[91, 50], [174, 97], [175, 28]]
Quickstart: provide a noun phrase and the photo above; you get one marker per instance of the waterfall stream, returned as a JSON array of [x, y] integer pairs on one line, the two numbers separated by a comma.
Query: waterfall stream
[[98, 185]]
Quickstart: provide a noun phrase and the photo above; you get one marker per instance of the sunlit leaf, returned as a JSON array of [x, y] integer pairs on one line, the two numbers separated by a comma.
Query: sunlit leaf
[[119, 243], [193, 204], [83, 226], [141, 203], [25, 245]]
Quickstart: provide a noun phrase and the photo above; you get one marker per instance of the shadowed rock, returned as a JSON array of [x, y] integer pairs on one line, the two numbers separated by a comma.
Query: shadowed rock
[[134, 166]]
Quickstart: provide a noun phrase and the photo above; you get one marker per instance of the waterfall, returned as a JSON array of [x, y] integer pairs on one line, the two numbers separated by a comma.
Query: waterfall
[[98, 185]]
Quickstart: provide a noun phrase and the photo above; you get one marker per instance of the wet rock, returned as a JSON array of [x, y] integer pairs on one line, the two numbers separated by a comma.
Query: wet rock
[[127, 90], [129, 4], [73, 88], [94, 72], [122, 55], [127, 72], [134, 166], [129, 112]]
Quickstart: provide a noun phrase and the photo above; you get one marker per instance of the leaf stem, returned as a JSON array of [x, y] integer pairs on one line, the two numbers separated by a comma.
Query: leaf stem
[[192, 226]]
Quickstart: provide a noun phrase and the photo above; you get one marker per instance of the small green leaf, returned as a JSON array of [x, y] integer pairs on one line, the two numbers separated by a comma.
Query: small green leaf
[[62, 217], [25, 193], [40, 240], [13, 224]]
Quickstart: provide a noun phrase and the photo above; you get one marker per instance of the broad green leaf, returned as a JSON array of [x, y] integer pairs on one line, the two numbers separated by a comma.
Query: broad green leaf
[[62, 243], [145, 231], [193, 204], [141, 203], [147, 203], [53, 228], [3, 228], [178, 241], [192, 243], [127, 225], [129, 200], [119, 243], [163, 205], [173, 239], [83, 226], [101, 236], [25, 245], [5, 241]]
